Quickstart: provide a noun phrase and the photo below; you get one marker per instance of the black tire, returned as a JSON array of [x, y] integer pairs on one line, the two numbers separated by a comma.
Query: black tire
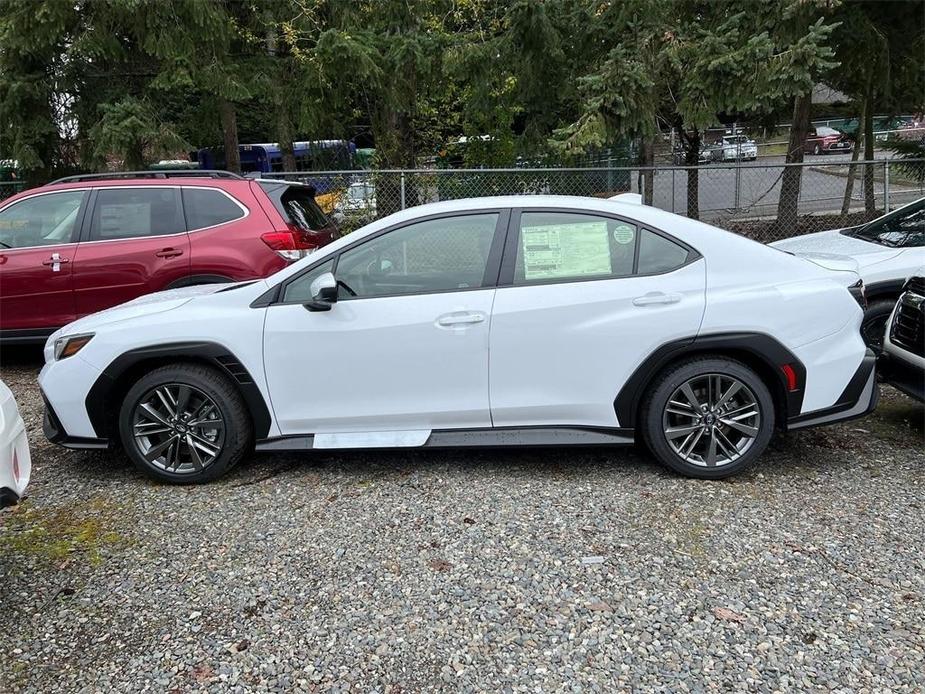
[[874, 325], [203, 384], [655, 420], [817, 150]]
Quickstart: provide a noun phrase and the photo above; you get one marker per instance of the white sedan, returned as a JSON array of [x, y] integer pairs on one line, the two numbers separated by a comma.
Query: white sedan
[[525, 320], [888, 250], [15, 462]]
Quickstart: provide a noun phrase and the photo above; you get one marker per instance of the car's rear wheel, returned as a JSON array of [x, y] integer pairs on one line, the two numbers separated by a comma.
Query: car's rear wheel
[[184, 424], [708, 417]]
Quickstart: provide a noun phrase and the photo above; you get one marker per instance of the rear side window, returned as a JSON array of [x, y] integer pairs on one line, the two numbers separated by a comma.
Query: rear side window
[[296, 204], [658, 254], [127, 213], [205, 207], [563, 247]]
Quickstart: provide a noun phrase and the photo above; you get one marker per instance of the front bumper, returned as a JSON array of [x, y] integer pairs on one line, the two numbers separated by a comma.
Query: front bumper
[[903, 375], [54, 432], [857, 400]]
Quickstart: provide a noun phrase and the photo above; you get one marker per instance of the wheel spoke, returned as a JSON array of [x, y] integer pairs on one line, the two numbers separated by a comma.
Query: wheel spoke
[[678, 432], [209, 424], [147, 410], [183, 393], [150, 429], [729, 450], [689, 394], [744, 412], [204, 445], [193, 453], [751, 432], [710, 459], [167, 400], [682, 409], [733, 389], [155, 451], [689, 443]]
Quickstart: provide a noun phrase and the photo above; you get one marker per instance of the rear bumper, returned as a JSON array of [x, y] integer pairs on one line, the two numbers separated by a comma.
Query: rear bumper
[[902, 375], [858, 399], [54, 432]]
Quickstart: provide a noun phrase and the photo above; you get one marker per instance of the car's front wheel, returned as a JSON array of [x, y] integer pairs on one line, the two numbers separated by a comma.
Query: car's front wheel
[[817, 150], [875, 319], [708, 417], [184, 424]]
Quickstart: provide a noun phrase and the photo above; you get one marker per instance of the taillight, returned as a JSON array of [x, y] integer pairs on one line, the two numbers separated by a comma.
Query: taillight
[[291, 244]]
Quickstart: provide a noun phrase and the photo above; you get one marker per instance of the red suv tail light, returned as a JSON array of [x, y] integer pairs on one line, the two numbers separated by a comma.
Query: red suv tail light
[[292, 244]]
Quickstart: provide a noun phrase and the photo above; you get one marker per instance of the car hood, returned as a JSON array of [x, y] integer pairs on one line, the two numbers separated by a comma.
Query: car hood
[[835, 242], [142, 306]]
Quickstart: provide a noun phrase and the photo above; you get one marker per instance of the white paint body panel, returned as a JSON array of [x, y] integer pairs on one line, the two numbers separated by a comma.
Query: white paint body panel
[[373, 370], [560, 351], [13, 444], [379, 364]]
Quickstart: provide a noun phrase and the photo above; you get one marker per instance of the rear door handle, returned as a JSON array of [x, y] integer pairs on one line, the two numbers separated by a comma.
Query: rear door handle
[[655, 298], [169, 253], [449, 320]]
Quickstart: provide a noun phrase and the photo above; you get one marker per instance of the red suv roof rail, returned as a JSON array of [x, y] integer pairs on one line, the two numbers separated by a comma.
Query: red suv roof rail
[[167, 173]]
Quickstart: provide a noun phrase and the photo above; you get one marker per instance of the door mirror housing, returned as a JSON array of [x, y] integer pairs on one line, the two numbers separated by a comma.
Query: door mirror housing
[[324, 293]]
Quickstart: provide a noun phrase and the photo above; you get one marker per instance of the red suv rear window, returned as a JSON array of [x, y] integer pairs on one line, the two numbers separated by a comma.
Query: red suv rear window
[[297, 205]]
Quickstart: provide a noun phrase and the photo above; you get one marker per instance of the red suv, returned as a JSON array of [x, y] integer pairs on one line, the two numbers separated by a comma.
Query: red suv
[[85, 243]]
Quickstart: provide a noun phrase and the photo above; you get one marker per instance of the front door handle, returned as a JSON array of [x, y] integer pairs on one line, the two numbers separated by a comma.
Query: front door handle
[[458, 318], [169, 253], [655, 298], [55, 262]]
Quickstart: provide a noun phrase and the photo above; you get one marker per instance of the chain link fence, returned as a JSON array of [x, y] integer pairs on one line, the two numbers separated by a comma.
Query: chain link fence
[[8, 188], [740, 197]]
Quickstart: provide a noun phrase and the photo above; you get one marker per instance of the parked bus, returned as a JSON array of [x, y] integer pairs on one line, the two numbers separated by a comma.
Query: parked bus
[[266, 157]]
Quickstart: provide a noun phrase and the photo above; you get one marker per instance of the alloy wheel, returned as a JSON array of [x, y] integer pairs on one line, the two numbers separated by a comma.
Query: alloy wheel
[[711, 420], [178, 428]]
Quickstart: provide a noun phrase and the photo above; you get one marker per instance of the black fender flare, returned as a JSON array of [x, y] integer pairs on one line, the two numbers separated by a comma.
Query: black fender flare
[[110, 382], [887, 289], [757, 349]]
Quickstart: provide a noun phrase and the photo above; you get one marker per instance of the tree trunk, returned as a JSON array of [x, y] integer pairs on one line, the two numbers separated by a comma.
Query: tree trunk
[[230, 135], [284, 135], [852, 168], [647, 177], [691, 144], [870, 205], [134, 157], [788, 203]]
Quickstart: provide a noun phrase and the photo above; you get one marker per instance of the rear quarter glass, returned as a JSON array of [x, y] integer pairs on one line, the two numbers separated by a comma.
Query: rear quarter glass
[[296, 205]]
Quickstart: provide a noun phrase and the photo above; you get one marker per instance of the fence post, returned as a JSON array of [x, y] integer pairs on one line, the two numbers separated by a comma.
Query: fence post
[[886, 186], [403, 190], [673, 172]]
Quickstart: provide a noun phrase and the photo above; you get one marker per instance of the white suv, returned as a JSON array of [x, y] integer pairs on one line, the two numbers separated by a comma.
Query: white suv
[[527, 320]]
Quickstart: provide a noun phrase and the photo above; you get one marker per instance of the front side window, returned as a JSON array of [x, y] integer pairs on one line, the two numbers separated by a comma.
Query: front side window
[[43, 220], [205, 207], [903, 228], [127, 213], [299, 289], [436, 255]]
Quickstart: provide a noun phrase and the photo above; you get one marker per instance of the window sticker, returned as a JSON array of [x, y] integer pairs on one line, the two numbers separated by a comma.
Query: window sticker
[[624, 234], [566, 250]]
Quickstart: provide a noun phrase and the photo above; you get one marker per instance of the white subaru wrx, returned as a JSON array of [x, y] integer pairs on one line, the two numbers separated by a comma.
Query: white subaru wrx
[[15, 462], [494, 321]]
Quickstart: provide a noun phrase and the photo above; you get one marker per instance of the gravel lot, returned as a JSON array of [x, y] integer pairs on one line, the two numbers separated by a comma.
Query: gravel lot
[[492, 570]]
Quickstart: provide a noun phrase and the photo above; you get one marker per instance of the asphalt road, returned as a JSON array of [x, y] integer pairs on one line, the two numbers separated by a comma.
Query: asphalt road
[[753, 190]]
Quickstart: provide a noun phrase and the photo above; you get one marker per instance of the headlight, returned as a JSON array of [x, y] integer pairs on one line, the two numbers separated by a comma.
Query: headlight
[[70, 345]]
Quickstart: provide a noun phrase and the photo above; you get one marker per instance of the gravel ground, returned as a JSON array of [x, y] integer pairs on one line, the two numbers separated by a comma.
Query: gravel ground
[[583, 570]]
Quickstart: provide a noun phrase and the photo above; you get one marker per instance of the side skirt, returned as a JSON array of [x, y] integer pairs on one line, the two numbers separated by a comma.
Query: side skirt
[[470, 438]]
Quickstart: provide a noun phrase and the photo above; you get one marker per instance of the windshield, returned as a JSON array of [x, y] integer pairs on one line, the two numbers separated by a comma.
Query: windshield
[[903, 228]]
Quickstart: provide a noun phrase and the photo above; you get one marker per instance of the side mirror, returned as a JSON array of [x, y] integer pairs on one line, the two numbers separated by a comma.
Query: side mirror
[[324, 293]]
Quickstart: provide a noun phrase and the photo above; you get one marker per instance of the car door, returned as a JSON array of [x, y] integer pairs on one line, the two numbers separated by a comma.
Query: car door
[[38, 236], [404, 350], [582, 300], [135, 243]]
